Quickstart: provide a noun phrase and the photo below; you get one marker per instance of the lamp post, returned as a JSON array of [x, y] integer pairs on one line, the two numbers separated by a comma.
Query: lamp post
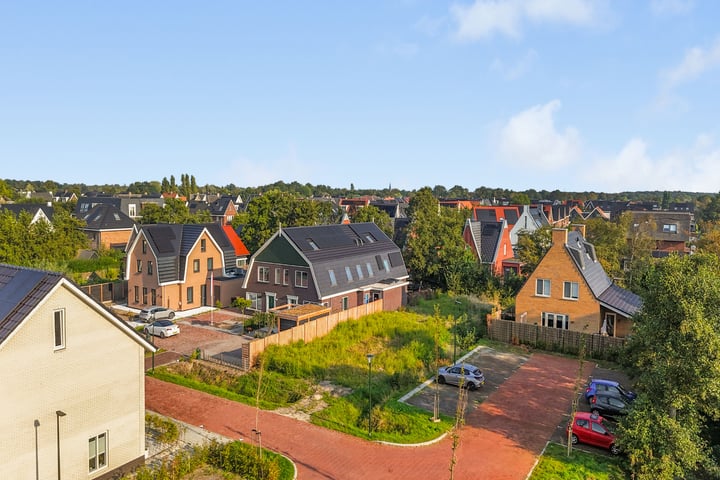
[[37, 460], [369, 360], [58, 414]]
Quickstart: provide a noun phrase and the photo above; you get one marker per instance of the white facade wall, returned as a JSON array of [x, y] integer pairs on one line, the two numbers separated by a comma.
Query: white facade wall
[[97, 380]]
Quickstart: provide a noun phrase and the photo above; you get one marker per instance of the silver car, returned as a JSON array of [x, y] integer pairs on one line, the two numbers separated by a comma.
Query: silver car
[[162, 328], [155, 313], [469, 376]]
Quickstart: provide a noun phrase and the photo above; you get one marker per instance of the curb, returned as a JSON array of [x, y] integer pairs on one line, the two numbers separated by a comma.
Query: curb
[[422, 444]]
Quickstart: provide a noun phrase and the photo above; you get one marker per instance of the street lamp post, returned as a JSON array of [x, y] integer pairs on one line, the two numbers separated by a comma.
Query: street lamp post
[[37, 459], [369, 360], [58, 414]]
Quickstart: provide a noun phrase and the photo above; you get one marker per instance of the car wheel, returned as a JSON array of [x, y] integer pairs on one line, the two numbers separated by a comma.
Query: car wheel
[[614, 449], [172, 315], [471, 386], [574, 439], [441, 380], [163, 335]]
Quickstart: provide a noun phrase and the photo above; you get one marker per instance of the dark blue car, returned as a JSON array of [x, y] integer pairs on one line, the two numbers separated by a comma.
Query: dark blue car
[[610, 387]]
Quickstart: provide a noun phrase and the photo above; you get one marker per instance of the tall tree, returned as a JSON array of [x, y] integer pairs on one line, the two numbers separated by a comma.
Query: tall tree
[[532, 247], [674, 350], [373, 214]]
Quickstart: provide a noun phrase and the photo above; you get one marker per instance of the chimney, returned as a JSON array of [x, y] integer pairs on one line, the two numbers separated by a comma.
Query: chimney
[[559, 236]]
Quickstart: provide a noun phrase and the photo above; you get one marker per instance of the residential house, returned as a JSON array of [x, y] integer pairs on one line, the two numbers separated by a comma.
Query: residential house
[[490, 243], [223, 210], [38, 212], [130, 204], [340, 266], [107, 227], [241, 251], [529, 220], [672, 231], [73, 387], [570, 290], [180, 266]]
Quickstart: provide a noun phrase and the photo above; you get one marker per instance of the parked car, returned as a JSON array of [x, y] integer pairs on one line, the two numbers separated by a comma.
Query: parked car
[[590, 429], [610, 387], [608, 405], [470, 376], [162, 328], [155, 313]]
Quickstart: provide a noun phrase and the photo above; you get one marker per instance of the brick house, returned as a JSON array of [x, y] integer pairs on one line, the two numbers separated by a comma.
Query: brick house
[[180, 266], [106, 227], [340, 266], [490, 243], [570, 290]]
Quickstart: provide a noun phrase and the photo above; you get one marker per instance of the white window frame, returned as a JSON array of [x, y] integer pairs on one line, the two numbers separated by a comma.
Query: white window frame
[[278, 276], [301, 279], [573, 288], [292, 299], [59, 329], [100, 457], [670, 228], [263, 274], [345, 303], [540, 288], [255, 300], [556, 318]]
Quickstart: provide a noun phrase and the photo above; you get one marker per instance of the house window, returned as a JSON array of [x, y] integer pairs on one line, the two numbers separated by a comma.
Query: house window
[[301, 279], [210, 264], [278, 276], [348, 274], [190, 293], [263, 274], [144, 295], [132, 210], [312, 244], [358, 268], [542, 287], [144, 246], [386, 265], [286, 277], [59, 328], [670, 228], [97, 454], [196, 265], [254, 300], [333, 280], [344, 303], [203, 245], [570, 290], [153, 296], [370, 238], [369, 269], [366, 297], [292, 300], [139, 266], [555, 320], [137, 294], [150, 267]]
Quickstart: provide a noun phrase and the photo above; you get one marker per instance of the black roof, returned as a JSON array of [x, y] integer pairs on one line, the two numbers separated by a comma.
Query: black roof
[[107, 217]]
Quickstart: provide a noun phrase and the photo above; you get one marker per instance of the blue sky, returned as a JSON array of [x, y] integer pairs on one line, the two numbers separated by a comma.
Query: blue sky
[[575, 95]]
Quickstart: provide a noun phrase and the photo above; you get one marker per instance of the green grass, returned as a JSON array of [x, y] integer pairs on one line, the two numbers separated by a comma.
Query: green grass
[[554, 464]]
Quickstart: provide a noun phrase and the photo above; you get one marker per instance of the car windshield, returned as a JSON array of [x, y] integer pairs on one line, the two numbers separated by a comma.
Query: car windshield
[[163, 323]]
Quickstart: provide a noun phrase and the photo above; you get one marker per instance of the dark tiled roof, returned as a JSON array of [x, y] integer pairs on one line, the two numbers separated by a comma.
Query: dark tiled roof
[[487, 236], [362, 248], [603, 288], [31, 208], [107, 217], [21, 290]]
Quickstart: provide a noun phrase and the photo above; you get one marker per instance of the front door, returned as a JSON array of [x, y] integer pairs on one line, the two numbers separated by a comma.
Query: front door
[[610, 324], [203, 294], [270, 300]]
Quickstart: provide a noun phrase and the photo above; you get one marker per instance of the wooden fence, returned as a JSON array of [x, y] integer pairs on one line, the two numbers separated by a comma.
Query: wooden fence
[[553, 339], [110, 292]]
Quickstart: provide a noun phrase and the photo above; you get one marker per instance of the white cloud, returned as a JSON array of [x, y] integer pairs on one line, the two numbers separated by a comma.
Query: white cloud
[[484, 18], [697, 61], [530, 139], [696, 168], [671, 7], [253, 172], [517, 69]]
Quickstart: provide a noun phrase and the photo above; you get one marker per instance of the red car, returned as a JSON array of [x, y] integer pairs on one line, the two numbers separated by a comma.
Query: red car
[[589, 428]]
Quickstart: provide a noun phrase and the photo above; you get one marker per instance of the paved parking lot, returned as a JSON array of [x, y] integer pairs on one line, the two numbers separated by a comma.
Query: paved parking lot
[[497, 366]]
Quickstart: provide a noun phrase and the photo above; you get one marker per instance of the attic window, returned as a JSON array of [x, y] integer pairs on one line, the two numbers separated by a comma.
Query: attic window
[[312, 244], [370, 238], [348, 273], [670, 228]]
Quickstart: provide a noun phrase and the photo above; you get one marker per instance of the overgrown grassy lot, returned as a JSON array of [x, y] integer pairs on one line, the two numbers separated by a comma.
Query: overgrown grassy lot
[[554, 464]]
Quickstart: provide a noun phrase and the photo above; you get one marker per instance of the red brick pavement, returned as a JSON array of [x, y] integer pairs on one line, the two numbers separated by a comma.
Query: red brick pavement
[[501, 439]]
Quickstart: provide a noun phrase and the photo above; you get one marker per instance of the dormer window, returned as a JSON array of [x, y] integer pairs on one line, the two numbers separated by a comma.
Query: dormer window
[[670, 228]]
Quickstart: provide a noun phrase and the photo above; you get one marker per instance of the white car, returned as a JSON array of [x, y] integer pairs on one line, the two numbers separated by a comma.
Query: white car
[[155, 313], [162, 328]]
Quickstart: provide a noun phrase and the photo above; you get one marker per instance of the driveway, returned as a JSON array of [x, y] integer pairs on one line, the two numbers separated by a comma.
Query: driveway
[[501, 439]]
